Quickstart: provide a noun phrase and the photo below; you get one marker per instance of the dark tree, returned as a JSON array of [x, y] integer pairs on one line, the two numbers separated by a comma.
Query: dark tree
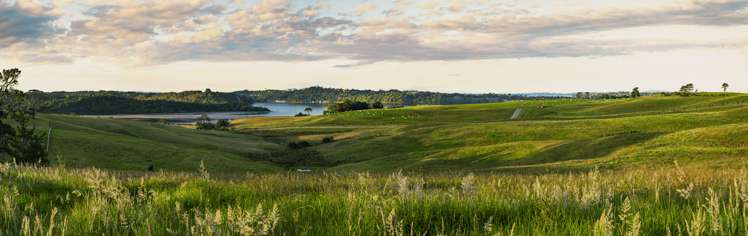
[[19, 140], [203, 122], [347, 105], [724, 87], [377, 105], [635, 93], [687, 89], [299, 145], [223, 124], [308, 110]]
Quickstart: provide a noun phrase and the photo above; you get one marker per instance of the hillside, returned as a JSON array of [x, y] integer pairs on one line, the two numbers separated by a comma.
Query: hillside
[[547, 135], [135, 145], [551, 167]]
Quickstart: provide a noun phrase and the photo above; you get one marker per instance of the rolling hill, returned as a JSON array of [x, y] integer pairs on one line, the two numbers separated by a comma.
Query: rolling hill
[[135, 145], [547, 135]]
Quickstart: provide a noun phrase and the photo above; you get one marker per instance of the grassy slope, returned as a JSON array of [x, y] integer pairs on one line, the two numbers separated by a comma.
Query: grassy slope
[[134, 145], [549, 134]]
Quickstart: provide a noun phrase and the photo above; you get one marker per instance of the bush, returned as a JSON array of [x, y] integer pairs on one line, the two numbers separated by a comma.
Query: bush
[[223, 124], [294, 157], [347, 105], [328, 139], [205, 125], [377, 105], [299, 145]]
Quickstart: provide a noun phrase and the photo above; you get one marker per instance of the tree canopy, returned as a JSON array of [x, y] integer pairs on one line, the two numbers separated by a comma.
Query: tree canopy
[[392, 97], [111, 102], [18, 136]]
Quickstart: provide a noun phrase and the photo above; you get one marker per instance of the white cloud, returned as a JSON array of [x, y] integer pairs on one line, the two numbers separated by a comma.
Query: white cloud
[[364, 8], [157, 32]]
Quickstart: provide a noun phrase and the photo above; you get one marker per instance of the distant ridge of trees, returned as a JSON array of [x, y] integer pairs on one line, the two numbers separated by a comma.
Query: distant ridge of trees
[[390, 97], [114, 102]]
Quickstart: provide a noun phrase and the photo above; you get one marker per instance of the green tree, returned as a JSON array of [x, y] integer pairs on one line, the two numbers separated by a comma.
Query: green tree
[[635, 93], [377, 105], [724, 87], [203, 122], [308, 110], [19, 140], [686, 89], [223, 124]]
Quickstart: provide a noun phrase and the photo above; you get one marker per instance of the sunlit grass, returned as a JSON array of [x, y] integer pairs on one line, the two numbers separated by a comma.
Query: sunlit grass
[[645, 201]]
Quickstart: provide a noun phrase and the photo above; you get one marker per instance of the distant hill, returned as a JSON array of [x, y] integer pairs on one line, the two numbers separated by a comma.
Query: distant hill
[[114, 102], [392, 97]]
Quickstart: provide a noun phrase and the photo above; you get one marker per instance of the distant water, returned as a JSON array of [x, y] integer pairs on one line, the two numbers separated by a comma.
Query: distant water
[[276, 109], [288, 109]]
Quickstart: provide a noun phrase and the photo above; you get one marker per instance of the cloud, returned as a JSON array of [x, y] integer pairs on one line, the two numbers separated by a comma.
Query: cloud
[[158, 32], [364, 8], [23, 22]]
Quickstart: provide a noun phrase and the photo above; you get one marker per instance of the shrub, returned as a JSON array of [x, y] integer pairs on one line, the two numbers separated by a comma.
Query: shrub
[[223, 124], [377, 105], [294, 157], [299, 145]]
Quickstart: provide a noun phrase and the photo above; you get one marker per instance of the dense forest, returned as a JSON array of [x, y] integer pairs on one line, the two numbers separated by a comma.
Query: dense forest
[[390, 97], [113, 102]]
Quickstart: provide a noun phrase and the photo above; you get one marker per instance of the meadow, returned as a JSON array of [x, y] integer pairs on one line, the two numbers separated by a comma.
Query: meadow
[[667, 201], [660, 165]]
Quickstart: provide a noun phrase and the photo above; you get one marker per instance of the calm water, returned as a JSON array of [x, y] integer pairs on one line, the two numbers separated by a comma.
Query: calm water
[[286, 109], [276, 109]]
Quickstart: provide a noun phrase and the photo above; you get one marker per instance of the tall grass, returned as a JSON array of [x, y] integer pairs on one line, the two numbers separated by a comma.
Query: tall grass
[[670, 201]]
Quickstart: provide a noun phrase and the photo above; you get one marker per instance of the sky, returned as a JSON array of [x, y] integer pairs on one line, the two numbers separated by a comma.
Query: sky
[[472, 46]]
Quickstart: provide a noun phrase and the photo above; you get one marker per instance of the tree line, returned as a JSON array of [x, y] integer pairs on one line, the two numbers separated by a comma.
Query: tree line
[[113, 102], [685, 90], [351, 105], [391, 97]]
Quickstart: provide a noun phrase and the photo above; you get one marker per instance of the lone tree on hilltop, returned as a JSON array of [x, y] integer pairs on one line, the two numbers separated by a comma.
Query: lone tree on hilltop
[[724, 87], [308, 110], [686, 89], [635, 93], [19, 138]]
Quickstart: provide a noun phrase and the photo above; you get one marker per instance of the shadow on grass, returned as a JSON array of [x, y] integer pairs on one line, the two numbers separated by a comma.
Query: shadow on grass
[[587, 149]]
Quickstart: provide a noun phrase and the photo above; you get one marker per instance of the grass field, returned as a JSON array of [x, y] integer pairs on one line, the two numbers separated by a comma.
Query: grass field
[[647, 166], [134, 145], [548, 135], [642, 201]]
